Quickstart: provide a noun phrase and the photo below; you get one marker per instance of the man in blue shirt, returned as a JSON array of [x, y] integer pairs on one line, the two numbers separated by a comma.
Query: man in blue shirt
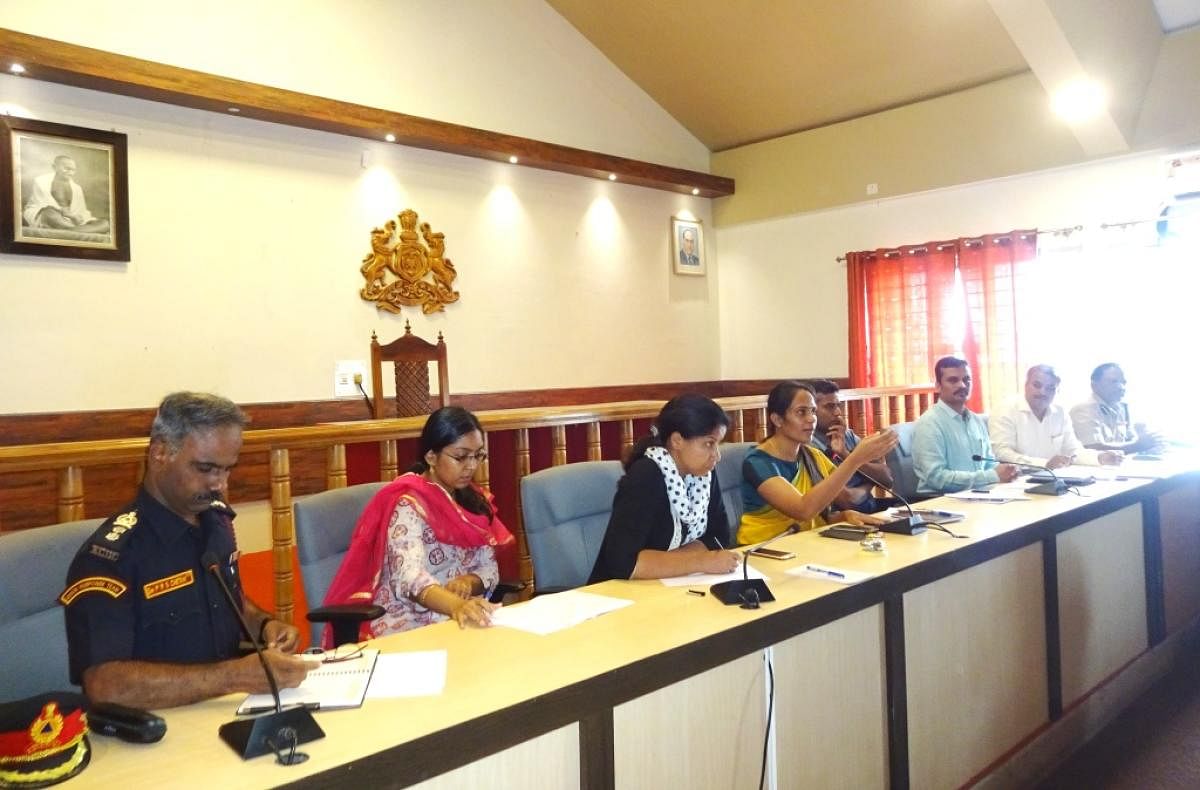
[[837, 440], [949, 434]]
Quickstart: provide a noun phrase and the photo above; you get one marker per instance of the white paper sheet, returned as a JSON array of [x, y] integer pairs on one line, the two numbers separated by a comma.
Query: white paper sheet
[[997, 496], [705, 579], [546, 614], [421, 673], [829, 573]]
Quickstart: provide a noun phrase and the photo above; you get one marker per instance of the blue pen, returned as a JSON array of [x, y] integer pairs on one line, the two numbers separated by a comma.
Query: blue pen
[[825, 572]]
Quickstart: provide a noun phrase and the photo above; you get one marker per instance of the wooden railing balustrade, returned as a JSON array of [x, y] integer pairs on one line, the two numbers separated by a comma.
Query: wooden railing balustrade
[[867, 410]]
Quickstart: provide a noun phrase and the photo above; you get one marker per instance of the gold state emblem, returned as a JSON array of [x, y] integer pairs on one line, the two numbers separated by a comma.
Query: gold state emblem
[[409, 260]]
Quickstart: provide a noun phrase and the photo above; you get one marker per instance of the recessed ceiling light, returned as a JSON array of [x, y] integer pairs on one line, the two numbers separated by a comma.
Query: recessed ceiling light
[[234, 109], [695, 190], [1079, 100], [391, 138], [512, 160], [17, 68], [612, 176]]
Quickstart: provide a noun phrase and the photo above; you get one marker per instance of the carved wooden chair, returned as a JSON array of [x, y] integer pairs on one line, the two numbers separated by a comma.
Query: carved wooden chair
[[411, 357]]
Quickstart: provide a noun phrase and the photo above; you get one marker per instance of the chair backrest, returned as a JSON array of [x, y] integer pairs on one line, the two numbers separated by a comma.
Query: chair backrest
[[33, 634], [900, 462], [324, 523], [729, 475], [410, 355], [566, 510]]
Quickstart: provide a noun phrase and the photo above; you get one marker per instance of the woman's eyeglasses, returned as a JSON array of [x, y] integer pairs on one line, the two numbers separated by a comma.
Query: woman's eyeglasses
[[346, 652], [464, 458]]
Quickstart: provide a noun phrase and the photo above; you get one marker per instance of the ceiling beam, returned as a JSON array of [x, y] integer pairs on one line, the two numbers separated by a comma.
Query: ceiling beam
[[1068, 40], [83, 67]]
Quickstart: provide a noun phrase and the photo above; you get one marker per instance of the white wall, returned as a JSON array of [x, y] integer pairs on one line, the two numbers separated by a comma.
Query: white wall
[[783, 293], [247, 236]]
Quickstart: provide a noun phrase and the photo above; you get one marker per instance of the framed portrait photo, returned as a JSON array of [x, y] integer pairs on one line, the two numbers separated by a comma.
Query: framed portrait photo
[[65, 191], [687, 246]]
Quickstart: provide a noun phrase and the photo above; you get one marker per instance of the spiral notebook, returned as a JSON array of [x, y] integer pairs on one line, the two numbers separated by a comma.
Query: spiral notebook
[[331, 686]]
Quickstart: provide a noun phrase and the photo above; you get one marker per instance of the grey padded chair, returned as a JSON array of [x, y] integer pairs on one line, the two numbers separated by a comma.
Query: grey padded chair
[[900, 462], [324, 523], [729, 475], [33, 635], [566, 510]]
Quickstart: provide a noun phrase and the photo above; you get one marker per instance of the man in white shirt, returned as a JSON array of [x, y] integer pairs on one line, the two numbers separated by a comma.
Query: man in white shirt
[[1103, 422], [1034, 431]]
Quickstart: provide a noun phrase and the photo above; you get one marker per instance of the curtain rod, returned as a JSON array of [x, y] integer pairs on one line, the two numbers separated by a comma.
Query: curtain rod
[[1064, 231]]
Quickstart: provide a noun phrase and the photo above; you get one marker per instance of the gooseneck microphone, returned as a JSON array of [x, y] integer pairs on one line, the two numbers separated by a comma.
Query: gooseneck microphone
[[747, 592], [912, 524], [272, 732], [1055, 487]]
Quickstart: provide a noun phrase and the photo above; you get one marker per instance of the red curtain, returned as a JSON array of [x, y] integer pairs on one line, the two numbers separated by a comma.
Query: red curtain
[[900, 315], [908, 308]]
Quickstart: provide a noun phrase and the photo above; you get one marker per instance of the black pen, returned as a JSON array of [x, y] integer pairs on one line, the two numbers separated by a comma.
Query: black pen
[[698, 593]]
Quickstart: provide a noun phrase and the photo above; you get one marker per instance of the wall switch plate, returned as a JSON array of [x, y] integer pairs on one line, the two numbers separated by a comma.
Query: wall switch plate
[[345, 371], [872, 189]]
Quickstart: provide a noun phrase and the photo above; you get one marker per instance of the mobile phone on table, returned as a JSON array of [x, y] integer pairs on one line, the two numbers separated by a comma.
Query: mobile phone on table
[[773, 554], [847, 532]]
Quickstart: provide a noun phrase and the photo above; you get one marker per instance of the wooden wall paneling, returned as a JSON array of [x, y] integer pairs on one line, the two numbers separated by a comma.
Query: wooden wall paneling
[[1179, 527], [547, 762], [1101, 599], [703, 732], [831, 719], [975, 653]]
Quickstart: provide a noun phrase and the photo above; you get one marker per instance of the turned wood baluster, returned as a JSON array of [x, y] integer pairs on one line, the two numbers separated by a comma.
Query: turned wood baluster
[[558, 441], [626, 437], [524, 561], [739, 426], [926, 401], [483, 471], [70, 494], [910, 407], [593, 441], [335, 467], [856, 416], [283, 532], [878, 409], [760, 430], [896, 409], [389, 465]]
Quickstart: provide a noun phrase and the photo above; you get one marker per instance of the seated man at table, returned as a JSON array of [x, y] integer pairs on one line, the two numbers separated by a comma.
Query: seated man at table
[[147, 624], [1103, 423], [946, 438], [837, 440], [1035, 431]]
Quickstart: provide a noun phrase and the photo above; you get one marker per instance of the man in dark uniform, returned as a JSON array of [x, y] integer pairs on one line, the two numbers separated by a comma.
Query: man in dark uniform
[[147, 624]]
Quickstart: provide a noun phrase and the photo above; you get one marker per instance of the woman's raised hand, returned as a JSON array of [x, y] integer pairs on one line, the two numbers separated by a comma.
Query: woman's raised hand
[[872, 448]]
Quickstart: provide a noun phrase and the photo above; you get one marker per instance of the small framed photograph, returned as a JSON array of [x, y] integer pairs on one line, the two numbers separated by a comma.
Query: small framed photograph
[[65, 191], [687, 246]]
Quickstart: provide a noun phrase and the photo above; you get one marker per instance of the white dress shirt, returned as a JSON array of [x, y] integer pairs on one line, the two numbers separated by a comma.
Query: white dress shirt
[[1019, 437]]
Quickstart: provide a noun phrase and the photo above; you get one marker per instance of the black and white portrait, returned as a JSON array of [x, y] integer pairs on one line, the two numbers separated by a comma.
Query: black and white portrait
[[69, 193]]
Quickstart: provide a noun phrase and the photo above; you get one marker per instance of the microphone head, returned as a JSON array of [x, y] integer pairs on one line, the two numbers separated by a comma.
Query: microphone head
[[978, 457], [210, 560]]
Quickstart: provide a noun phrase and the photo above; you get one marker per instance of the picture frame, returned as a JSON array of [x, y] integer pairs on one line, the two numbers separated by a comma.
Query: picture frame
[[687, 247], [65, 191]]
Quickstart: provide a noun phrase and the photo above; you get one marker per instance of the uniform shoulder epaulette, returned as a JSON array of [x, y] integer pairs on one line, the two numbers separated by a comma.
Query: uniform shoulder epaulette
[[107, 541]]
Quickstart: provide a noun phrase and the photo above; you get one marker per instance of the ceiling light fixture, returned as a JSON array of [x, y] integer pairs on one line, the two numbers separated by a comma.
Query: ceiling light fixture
[[17, 68], [612, 176], [695, 190], [234, 110], [512, 160], [391, 138], [1080, 100]]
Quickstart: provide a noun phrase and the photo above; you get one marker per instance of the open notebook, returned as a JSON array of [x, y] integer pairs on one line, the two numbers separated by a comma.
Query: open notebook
[[328, 686]]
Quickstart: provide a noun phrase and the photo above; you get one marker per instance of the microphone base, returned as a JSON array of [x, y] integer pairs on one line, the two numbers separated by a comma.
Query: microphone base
[[1053, 488], [747, 593], [909, 525], [292, 727]]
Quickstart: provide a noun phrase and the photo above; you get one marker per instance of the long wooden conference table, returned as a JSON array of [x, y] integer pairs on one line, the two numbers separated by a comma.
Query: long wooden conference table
[[962, 661]]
